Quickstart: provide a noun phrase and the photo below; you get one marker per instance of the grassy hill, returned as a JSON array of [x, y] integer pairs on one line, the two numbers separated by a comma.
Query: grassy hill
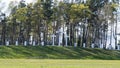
[[53, 52]]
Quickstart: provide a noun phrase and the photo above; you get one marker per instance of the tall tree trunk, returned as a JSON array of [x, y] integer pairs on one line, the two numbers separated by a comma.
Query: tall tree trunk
[[13, 36], [116, 47], [71, 34], [3, 33], [28, 32]]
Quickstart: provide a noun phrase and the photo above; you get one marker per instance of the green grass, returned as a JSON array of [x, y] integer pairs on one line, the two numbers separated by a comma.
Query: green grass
[[57, 57], [54, 52], [36, 63]]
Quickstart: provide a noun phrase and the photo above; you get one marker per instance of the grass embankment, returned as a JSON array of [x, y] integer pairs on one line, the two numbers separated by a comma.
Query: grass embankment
[[54, 52]]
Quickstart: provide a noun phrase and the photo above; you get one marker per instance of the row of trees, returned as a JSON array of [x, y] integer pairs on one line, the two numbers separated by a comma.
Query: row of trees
[[79, 24]]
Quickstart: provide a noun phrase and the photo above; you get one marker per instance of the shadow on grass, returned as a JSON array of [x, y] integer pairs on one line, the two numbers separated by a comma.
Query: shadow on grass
[[55, 52]]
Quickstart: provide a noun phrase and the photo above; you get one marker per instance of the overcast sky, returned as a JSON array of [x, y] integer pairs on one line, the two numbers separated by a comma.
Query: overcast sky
[[4, 4]]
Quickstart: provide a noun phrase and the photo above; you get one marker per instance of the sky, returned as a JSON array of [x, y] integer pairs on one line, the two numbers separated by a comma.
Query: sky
[[4, 5]]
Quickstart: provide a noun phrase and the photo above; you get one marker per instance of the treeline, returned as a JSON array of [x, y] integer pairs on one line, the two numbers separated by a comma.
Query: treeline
[[83, 24]]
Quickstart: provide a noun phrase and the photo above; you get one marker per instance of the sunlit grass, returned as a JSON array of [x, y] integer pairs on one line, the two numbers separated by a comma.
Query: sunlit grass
[[56, 52], [46, 63]]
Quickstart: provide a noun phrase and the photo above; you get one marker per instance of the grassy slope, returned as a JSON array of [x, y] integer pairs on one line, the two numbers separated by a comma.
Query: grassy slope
[[38, 52]]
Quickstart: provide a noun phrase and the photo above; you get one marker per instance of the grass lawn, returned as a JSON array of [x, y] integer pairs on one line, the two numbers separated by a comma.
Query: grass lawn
[[47, 63]]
